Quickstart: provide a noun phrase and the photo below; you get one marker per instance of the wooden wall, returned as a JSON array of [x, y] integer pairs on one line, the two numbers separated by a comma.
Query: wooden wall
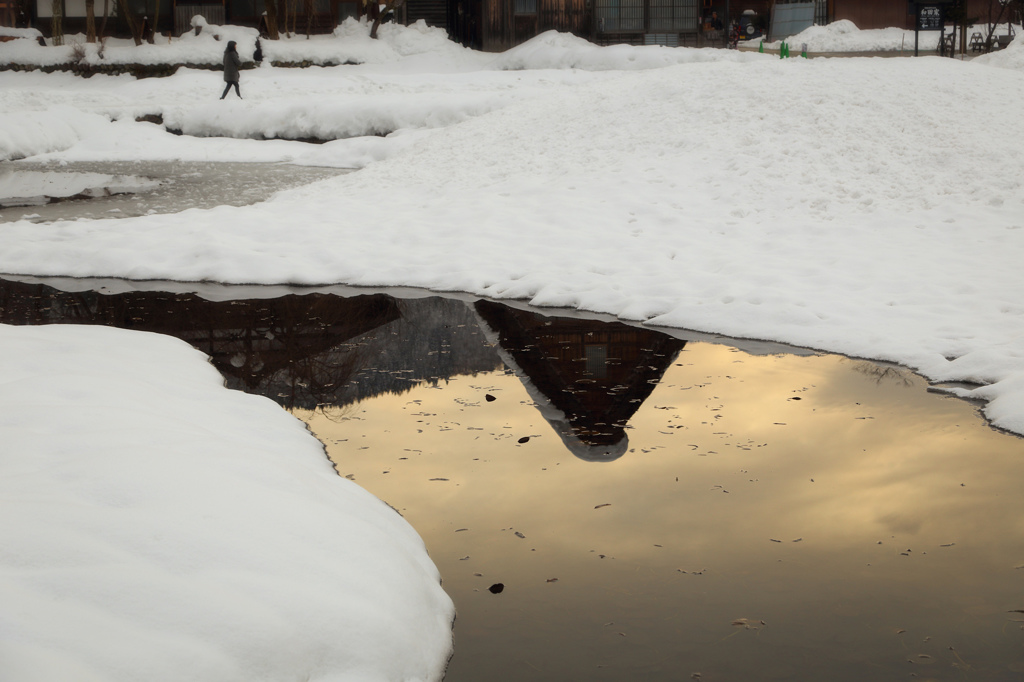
[[503, 29], [885, 13]]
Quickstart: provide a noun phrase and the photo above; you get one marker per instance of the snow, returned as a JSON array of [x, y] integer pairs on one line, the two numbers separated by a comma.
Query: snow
[[157, 526], [844, 36], [1010, 58], [553, 50], [30, 33], [871, 207]]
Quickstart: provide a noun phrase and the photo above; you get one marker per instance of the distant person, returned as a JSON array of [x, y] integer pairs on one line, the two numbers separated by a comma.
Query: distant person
[[715, 22], [231, 65], [257, 54]]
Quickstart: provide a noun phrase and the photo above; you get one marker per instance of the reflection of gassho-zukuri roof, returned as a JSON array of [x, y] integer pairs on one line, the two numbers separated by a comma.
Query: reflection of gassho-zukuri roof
[[554, 416]]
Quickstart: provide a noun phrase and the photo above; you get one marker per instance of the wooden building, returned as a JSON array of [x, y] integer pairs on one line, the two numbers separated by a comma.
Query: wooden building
[[868, 14], [500, 24], [496, 25]]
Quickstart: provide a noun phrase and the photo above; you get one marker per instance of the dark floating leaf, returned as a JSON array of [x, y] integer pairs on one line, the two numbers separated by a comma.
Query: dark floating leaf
[[497, 588], [459, 530], [489, 398], [439, 479], [519, 535], [606, 504], [552, 580], [524, 439]]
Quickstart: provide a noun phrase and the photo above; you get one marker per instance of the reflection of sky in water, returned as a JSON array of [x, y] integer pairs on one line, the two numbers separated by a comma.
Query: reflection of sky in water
[[875, 528]]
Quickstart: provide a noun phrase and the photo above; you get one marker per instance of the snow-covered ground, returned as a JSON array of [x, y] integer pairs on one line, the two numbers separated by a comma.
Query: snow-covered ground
[[872, 207], [157, 526], [844, 36]]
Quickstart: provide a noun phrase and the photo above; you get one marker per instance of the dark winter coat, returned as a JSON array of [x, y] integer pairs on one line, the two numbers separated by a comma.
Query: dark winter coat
[[231, 63]]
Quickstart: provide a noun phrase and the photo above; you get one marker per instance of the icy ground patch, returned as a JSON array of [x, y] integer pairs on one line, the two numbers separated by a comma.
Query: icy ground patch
[[159, 527]]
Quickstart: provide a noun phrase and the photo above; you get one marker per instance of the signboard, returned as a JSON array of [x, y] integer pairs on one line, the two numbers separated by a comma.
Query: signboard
[[929, 15], [929, 18]]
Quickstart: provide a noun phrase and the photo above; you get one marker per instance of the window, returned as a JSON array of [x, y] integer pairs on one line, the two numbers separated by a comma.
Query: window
[[619, 15], [666, 39], [526, 7], [346, 10], [663, 16], [597, 360], [673, 15]]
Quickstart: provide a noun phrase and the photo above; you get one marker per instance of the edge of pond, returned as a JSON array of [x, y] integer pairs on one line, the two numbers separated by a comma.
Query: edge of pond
[[215, 291]]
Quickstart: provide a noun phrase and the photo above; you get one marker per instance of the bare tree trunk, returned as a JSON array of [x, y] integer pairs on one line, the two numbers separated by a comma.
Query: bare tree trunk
[[376, 13], [133, 22], [156, 19], [371, 8], [308, 7], [90, 21], [57, 22], [103, 24], [271, 16]]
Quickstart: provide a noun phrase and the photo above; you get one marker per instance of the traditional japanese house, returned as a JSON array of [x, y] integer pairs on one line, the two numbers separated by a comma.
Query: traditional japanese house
[[505, 23]]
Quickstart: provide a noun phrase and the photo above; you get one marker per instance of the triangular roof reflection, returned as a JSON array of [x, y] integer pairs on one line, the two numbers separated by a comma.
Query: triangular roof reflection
[[587, 377]]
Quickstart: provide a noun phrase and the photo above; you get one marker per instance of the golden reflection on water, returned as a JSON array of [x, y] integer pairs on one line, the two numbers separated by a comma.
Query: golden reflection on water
[[774, 517]]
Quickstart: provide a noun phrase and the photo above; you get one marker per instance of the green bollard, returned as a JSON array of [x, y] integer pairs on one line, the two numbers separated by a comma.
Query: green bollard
[[761, 47]]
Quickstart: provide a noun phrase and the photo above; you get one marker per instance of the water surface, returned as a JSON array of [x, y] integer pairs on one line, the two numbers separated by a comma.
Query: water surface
[[654, 507], [46, 192]]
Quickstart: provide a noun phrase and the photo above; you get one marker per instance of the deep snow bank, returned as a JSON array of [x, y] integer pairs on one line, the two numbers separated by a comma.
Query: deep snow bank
[[1012, 57], [156, 526], [844, 36], [37, 132], [350, 43], [554, 50]]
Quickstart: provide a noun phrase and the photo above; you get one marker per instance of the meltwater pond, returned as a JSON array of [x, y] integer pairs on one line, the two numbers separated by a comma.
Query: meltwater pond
[[609, 502], [46, 192]]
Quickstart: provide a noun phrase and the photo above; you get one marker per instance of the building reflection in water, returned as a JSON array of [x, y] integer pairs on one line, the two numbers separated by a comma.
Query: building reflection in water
[[587, 377], [280, 348], [322, 351]]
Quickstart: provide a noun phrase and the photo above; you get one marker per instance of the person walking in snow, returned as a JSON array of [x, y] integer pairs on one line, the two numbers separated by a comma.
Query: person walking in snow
[[231, 66]]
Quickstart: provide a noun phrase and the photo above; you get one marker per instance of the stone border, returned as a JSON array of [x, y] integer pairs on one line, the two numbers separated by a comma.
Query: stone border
[[86, 70]]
